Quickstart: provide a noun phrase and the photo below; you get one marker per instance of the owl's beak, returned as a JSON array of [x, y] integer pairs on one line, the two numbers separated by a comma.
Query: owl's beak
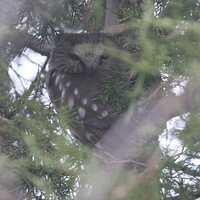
[[91, 62]]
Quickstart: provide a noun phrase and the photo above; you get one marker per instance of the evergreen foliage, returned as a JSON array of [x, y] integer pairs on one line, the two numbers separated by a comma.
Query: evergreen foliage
[[45, 160]]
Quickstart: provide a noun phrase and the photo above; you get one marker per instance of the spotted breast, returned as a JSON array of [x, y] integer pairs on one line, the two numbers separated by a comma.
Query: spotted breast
[[79, 67]]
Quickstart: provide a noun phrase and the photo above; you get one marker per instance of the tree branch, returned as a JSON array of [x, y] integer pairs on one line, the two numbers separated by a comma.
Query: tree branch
[[5, 124], [111, 13], [43, 49], [131, 134], [18, 40]]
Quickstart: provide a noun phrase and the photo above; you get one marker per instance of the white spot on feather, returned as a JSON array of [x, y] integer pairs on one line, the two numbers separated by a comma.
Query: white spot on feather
[[60, 86], [84, 101], [54, 74], [57, 79], [63, 95], [70, 103], [104, 113], [81, 112], [68, 83], [94, 107], [76, 91]]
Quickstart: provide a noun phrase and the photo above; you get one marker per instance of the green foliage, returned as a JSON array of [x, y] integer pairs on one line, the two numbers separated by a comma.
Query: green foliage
[[130, 11], [190, 135], [5, 97], [94, 16], [48, 162], [45, 18], [46, 157], [180, 177], [116, 90], [181, 10]]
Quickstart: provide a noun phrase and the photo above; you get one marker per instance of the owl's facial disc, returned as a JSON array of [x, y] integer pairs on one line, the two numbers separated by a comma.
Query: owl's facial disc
[[89, 53]]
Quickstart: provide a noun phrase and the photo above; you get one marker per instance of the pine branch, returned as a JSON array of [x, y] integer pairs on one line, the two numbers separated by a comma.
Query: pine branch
[[43, 49], [118, 28], [130, 134], [17, 41]]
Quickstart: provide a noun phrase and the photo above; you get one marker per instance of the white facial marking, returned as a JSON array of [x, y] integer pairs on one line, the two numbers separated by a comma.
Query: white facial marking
[[94, 107], [70, 103], [57, 79], [68, 83], [81, 112], [76, 91], [104, 113], [84, 101]]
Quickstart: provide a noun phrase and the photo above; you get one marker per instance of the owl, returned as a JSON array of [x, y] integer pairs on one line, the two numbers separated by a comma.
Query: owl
[[81, 65]]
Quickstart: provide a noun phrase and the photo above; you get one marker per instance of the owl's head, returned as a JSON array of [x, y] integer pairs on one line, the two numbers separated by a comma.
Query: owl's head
[[77, 53], [90, 54]]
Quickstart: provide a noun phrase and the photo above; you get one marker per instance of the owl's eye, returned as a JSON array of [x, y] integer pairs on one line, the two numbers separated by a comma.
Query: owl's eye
[[74, 57], [76, 64], [104, 57]]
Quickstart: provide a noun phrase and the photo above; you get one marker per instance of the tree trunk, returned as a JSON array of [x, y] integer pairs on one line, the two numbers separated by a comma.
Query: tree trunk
[[111, 17]]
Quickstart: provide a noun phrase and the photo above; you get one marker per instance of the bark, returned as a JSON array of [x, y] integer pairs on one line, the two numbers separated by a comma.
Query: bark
[[112, 7]]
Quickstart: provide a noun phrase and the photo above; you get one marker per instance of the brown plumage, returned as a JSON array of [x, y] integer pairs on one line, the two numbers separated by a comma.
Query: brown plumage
[[79, 66]]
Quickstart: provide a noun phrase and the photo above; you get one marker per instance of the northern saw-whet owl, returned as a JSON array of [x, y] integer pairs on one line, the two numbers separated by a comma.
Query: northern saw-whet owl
[[80, 66]]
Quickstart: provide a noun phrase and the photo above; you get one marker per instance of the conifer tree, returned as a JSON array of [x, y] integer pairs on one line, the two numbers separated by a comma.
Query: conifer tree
[[40, 159]]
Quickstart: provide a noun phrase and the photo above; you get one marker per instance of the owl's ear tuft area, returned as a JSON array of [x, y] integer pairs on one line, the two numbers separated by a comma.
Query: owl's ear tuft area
[[67, 38]]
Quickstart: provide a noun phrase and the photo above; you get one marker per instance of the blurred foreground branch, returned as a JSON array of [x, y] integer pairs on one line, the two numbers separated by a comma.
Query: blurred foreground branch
[[131, 134], [5, 124]]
